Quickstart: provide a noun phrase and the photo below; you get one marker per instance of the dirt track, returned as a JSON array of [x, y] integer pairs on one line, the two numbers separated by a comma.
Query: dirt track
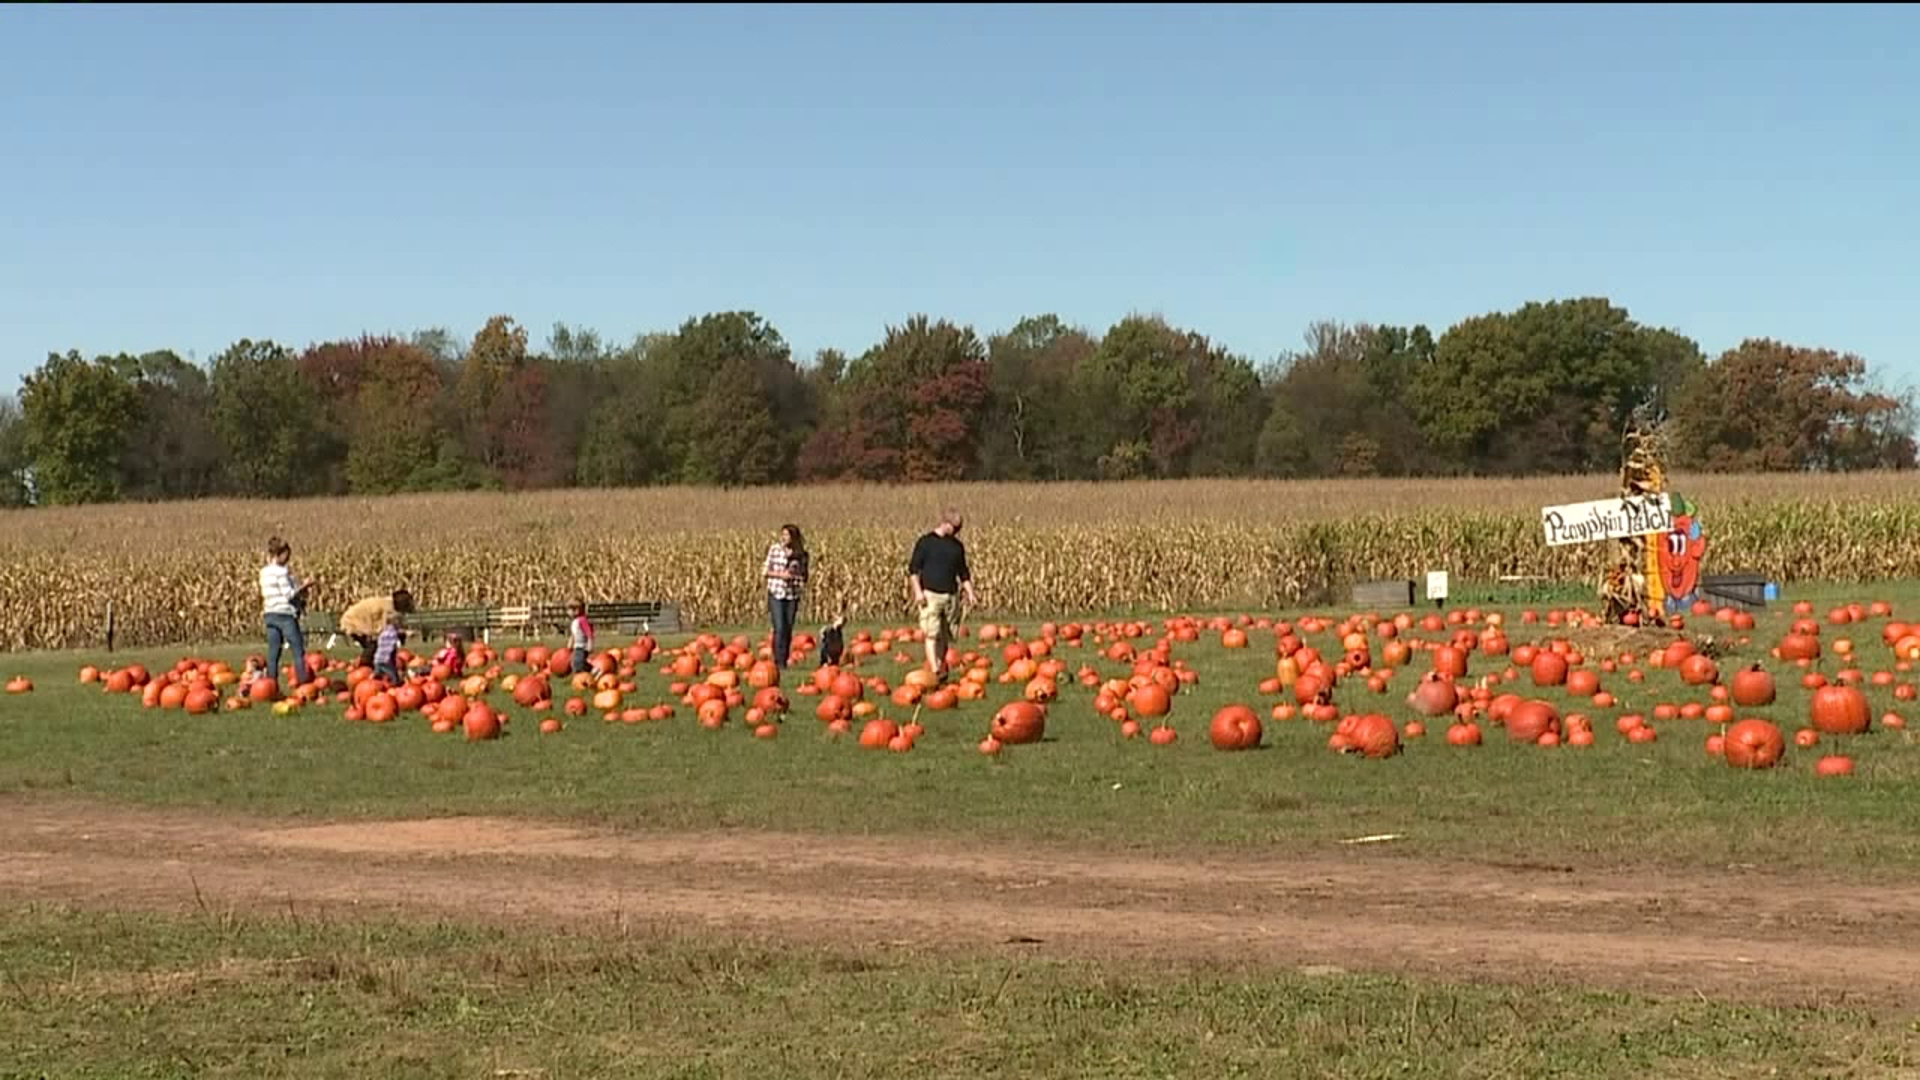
[[1745, 936]]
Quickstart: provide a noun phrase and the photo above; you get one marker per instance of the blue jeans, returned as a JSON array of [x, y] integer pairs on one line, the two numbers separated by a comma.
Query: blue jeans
[[579, 661], [784, 612], [284, 630]]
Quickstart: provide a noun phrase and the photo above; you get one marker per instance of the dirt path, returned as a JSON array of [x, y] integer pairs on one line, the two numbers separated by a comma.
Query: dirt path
[[1747, 936]]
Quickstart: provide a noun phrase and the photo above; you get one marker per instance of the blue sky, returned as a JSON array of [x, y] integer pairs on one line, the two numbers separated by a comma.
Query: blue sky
[[182, 177]]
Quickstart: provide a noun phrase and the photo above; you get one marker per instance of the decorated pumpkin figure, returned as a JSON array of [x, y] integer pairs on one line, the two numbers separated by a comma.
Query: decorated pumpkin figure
[[1673, 579]]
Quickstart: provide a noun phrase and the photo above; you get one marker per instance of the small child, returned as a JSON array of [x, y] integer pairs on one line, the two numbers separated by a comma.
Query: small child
[[255, 669], [451, 658], [579, 635], [833, 641], [386, 655]]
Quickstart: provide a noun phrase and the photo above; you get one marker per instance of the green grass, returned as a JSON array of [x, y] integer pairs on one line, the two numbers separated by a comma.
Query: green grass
[[87, 995], [1667, 803]]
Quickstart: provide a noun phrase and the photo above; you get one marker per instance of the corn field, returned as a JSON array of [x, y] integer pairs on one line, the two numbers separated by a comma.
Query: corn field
[[186, 572]]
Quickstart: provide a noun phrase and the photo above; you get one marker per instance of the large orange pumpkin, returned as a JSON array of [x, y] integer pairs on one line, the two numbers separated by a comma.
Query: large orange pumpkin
[[1841, 710], [1235, 727], [1019, 722], [1753, 744], [1549, 669], [1375, 736], [480, 722], [1434, 696]]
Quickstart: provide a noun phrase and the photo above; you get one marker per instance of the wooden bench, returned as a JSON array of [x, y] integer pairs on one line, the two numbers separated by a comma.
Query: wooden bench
[[625, 616], [1735, 590], [1386, 594]]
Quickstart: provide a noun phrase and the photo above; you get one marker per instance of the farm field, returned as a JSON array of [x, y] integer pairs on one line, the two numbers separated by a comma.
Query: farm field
[[183, 572], [340, 898]]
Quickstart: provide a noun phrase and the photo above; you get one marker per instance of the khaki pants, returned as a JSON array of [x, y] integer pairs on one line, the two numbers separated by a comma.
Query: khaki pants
[[936, 616]]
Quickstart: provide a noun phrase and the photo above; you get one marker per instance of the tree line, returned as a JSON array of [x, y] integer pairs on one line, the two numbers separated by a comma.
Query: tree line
[[1546, 388]]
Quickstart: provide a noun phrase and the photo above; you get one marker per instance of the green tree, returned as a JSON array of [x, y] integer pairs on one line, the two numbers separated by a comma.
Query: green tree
[[1767, 406], [1169, 403], [1545, 389], [729, 363], [621, 443], [172, 452], [1039, 429], [79, 416], [262, 416]]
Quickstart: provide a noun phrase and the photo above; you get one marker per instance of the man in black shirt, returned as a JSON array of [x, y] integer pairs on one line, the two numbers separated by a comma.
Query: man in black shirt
[[937, 571]]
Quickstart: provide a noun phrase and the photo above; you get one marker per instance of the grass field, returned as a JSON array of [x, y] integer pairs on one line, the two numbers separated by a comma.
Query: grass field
[[186, 571], [135, 996], [1665, 802], [1622, 910]]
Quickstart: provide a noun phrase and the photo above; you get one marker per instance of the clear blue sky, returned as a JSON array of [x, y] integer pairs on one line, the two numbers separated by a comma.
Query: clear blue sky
[[182, 177]]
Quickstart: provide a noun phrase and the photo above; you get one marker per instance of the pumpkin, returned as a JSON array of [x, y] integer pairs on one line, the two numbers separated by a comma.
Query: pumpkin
[[1753, 688], [877, 733], [1448, 660], [1834, 765], [1019, 722], [380, 708], [1151, 699], [479, 721], [1375, 736], [1797, 646], [1235, 727], [1584, 682], [1753, 744], [1549, 669], [19, 684], [1840, 710], [1698, 670], [1531, 719], [1463, 734], [1434, 696]]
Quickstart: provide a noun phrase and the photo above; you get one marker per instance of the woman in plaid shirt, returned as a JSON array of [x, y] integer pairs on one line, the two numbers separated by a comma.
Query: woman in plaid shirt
[[786, 574]]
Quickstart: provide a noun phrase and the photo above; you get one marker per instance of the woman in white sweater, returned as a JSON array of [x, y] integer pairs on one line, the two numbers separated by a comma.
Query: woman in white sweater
[[283, 599]]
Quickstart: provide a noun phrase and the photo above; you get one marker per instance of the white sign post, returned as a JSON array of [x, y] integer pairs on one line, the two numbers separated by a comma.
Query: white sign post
[[1606, 519], [1437, 587]]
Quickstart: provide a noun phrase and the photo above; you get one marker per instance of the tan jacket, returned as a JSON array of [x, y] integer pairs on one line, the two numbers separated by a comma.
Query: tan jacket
[[366, 617]]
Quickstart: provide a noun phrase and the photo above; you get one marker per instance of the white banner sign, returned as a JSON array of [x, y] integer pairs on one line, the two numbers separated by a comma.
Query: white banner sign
[[1606, 519]]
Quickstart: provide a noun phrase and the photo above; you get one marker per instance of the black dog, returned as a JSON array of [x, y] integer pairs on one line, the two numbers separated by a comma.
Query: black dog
[[833, 643]]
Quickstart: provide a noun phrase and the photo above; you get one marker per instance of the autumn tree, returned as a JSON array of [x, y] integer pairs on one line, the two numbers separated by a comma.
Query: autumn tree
[[1766, 406], [494, 398], [911, 408], [395, 443]]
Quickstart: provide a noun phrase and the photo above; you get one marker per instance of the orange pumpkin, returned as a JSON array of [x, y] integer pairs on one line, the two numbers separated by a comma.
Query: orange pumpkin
[[1753, 744], [1019, 722], [1235, 727]]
